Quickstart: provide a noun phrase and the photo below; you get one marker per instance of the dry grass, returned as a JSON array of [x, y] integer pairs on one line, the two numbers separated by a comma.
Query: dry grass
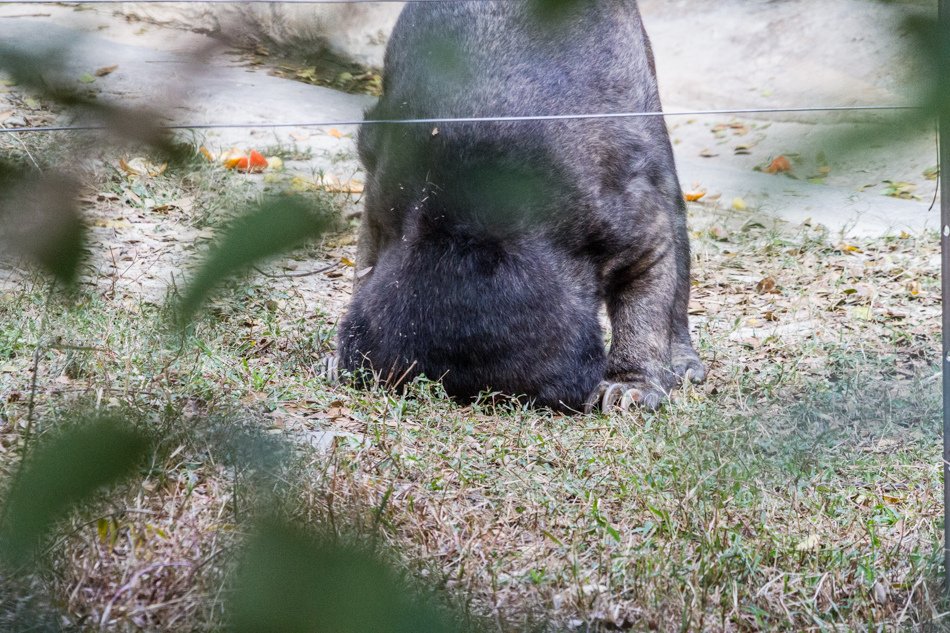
[[798, 489]]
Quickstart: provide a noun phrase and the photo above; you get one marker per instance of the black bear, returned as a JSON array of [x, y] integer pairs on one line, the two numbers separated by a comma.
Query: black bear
[[488, 248]]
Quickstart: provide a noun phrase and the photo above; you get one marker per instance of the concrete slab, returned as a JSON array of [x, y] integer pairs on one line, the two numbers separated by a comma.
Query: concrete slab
[[189, 79], [842, 210], [761, 53]]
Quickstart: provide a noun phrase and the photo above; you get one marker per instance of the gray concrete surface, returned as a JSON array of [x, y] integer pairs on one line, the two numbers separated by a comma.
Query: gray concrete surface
[[188, 78], [356, 32], [710, 55], [767, 54]]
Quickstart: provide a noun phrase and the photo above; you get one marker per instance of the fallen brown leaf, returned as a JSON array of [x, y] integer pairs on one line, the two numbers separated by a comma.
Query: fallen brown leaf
[[766, 286]]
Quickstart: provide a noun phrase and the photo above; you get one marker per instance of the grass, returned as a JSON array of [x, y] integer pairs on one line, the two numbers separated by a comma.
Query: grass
[[798, 489]]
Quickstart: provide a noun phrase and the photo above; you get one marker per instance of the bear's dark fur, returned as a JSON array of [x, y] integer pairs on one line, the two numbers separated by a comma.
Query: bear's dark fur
[[487, 249]]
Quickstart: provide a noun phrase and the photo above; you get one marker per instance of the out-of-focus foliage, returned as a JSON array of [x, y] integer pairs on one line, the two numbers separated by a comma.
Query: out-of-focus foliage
[[553, 11], [36, 69], [293, 582], [290, 581], [67, 469], [276, 226], [928, 81], [39, 220], [931, 46]]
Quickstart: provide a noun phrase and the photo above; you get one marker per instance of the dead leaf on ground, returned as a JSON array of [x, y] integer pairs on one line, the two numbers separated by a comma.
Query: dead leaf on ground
[[139, 167], [105, 70], [766, 286], [737, 128], [811, 542], [333, 184], [694, 196], [185, 204], [104, 223], [901, 189], [880, 593]]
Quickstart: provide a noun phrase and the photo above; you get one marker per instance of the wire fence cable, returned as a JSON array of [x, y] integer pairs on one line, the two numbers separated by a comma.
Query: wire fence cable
[[494, 119]]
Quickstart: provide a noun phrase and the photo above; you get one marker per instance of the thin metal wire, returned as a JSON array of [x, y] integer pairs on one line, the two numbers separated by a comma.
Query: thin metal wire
[[498, 119], [238, 1]]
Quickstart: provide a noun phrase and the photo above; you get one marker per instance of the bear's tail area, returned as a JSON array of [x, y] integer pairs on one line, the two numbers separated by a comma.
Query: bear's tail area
[[480, 314]]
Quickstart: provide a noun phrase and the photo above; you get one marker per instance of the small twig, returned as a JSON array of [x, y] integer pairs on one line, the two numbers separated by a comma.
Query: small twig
[[82, 526], [378, 513], [81, 348], [937, 184], [26, 150], [104, 620], [304, 274], [405, 374], [38, 350], [910, 598]]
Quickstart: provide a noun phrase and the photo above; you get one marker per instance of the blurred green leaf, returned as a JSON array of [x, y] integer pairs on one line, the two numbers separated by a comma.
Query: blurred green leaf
[[39, 220], [553, 11], [444, 61], [274, 227], [931, 47], [292, 582], [38, 68], [30, 68], [62, 472], [925, 52]]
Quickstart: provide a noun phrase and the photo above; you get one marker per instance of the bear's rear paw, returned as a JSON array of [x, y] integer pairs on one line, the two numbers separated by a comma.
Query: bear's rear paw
[[687, 366]]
